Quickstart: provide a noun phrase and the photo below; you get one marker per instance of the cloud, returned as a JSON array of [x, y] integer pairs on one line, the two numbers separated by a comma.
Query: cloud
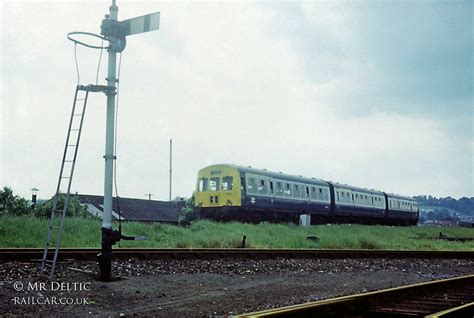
[[278, 86]]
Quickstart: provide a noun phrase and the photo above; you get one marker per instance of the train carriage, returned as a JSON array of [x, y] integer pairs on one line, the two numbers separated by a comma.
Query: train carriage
[[353, 202], [231, 192], [402, 209]]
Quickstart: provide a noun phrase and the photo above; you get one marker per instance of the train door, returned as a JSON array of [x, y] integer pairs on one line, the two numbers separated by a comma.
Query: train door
[[271, 190], [214, 188]]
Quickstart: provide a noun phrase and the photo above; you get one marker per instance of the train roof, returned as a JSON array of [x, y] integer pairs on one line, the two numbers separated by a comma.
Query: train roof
[[396, 196], [277, 175], [358, 189]]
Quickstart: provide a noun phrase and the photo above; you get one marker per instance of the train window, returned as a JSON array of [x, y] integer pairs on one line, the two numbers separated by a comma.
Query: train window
[[251, 185], [296, 191], [262, 187], [227, 183], [214, 184], [287, 189], [271, 187], [203, 183], [337, 195], [313, 193], [307, 192], [279, 188]]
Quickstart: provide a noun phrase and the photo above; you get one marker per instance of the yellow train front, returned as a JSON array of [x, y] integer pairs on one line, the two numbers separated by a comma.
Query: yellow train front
[[219, 192]]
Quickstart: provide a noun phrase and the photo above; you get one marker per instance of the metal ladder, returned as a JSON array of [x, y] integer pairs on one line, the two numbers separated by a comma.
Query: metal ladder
[[66, 173]]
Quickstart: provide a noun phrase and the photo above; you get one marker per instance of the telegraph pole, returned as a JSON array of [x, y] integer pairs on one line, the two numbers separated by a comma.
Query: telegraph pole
[[115, 32], [171, 164]]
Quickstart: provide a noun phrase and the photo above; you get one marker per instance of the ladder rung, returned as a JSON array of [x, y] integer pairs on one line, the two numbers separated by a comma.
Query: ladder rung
[[81, 99], [75, 129], [55, 227], [68, 160], [48, 261], [78, 114], [71, 145], [65, 177]]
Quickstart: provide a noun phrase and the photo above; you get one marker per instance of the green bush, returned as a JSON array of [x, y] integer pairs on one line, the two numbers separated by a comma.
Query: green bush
[[13, 204], [74, 208], [188, 213]]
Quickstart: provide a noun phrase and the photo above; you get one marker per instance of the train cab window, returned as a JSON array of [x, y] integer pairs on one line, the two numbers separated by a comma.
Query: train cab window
[[203, 184], [214, 184], [227, 183], [262, 187], [251, 185]]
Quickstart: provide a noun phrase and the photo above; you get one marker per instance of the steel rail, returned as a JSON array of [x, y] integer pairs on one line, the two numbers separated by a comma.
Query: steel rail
[[454, 295], [22, 254], [465, 310]]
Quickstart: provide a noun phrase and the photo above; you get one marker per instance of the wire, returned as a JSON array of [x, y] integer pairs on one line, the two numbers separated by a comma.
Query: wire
[[98, 67], [77, 65], [115, 142]]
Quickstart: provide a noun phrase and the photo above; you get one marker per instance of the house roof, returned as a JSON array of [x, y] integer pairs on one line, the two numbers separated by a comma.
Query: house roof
[[138, 209]]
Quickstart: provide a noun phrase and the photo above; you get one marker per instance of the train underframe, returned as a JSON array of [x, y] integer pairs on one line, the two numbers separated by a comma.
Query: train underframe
[[227, 214]]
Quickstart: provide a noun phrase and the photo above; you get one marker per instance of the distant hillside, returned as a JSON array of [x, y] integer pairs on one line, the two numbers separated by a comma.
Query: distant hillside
[[463, 205], [445, 209]]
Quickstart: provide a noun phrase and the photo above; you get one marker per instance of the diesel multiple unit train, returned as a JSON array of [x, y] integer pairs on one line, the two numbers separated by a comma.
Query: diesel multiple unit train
[[231, 192]]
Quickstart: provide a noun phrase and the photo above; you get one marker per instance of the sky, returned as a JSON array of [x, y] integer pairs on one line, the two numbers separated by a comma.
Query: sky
[[376, 94]]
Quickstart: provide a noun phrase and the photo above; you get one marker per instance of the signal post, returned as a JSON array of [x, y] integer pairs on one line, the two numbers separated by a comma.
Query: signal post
[[115, 32]]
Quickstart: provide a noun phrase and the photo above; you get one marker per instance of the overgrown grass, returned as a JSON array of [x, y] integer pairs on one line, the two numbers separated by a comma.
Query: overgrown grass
[[30, 232]]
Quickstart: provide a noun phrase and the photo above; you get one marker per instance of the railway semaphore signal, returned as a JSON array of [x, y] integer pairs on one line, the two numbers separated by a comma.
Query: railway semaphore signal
[[115, 33]]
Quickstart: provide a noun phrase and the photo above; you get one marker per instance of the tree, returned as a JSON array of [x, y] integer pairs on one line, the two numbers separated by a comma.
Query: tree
[[188, 212], [13, 204], [74, 207], [430, 215]]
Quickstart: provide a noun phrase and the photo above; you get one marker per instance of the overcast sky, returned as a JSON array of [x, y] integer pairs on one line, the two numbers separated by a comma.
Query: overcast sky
[[377, 94]]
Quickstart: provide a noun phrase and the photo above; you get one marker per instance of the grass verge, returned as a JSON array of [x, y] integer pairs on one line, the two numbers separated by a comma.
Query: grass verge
[[29, 231]]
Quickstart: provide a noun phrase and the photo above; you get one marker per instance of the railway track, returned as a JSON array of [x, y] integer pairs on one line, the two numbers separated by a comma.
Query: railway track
[[452, 297], [26, 254]]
